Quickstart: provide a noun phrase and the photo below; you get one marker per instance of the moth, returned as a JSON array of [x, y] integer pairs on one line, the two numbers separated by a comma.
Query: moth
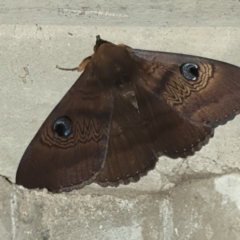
[[128, 108]]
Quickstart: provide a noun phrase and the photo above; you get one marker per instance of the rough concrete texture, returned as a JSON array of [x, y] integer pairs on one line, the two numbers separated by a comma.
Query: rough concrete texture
[[198, 209], [195, 198]]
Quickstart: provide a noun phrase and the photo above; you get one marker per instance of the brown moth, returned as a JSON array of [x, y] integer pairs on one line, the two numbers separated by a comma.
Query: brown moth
[[127, 108]]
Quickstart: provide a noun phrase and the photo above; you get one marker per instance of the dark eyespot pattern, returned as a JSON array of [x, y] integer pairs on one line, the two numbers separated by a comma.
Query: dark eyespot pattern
[[62, 126], [190, 71]]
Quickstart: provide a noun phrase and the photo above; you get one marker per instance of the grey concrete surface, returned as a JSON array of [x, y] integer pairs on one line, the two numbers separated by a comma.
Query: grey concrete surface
[[153, 13], [197, 209], [196, 198]]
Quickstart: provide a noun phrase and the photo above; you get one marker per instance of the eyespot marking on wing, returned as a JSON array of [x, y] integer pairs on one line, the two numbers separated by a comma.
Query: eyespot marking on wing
[[87, 130], [62, 126], [190, 71]]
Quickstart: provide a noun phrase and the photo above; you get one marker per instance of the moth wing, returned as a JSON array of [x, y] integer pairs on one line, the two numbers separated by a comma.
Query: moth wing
[[61, 163], [130, 154], [213, 98], [171, 133]]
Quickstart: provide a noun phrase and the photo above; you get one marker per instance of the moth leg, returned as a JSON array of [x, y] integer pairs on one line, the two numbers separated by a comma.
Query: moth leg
[[81, 66], [84, 63]]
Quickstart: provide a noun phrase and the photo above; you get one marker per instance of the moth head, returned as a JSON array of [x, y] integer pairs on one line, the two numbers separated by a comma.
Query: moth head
[[86, 61], [110, 61], [99, 42], [114, 58], [190, 71]]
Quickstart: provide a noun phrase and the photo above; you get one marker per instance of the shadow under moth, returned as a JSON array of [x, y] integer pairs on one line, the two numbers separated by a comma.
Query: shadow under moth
[[127, 108]]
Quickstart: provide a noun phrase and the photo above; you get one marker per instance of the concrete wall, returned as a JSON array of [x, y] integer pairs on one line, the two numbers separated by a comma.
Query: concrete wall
[[196, 198]]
